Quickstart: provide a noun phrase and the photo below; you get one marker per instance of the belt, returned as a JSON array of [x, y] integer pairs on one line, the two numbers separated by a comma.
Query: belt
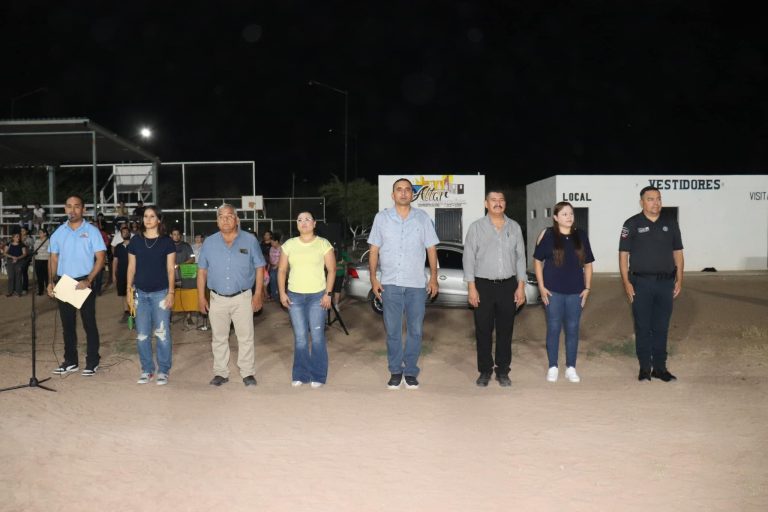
[[659, 276], [231, 294], [495, 281]]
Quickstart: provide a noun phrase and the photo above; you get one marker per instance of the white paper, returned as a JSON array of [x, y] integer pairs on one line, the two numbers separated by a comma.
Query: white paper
[[66, 291]]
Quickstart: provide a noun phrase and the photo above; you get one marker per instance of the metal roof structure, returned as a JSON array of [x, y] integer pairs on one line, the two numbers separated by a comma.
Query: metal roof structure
[[26, 142]]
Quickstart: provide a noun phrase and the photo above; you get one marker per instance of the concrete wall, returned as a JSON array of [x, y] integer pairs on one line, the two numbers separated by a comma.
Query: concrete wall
[[723, 218]]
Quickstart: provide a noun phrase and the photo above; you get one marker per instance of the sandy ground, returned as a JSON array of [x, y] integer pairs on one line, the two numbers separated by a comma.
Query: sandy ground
[[608, 443]]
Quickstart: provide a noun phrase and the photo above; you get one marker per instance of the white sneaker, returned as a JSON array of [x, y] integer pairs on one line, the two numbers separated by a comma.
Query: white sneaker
[[552, 374], [316, 384], [162, 379], [571, 375], [145, 378], [296, 383]]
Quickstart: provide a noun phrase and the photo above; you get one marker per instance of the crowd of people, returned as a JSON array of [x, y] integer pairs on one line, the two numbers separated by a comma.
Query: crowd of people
[[237, 273]]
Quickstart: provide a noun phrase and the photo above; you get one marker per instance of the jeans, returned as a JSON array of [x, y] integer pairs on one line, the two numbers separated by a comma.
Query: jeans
[[652, 309], [411, 302], [308, 320], [273, 291], [563, 312], [153, 318]]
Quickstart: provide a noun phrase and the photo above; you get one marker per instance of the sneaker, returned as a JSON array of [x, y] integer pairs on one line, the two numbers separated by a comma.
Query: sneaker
[[162, 379], [552, 374], [571, 375], [316, 384], [66, 368], [395, 380], [296, 383], [504, 380], [411, 382], [90, 371], [145, 378]]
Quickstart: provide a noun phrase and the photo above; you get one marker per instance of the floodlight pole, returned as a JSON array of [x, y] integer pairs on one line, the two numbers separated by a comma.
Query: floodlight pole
[[346, 144]]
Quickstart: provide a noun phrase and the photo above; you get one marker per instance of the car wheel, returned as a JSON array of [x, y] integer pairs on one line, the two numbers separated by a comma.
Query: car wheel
[[375, 303]]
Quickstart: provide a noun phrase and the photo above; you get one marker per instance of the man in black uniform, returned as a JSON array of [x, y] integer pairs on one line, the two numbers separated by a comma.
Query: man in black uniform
[[651, 266]]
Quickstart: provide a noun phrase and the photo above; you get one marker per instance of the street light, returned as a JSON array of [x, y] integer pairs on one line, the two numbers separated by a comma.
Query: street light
[[145, 133], [346, 139]]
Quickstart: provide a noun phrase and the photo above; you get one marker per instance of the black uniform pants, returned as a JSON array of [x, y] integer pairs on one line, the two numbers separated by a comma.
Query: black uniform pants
[[68, 314], [652, 310], [497, 309]]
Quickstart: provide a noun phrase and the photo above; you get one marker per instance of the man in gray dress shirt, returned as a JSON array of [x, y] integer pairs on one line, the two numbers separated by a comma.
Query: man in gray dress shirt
[[494, 269]]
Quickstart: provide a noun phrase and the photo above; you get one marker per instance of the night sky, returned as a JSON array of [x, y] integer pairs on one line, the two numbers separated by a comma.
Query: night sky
[[515, 90]]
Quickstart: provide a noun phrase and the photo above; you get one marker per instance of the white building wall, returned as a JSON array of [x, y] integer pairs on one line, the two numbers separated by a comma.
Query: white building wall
[[723, 218], [539, 197], [466, 192]]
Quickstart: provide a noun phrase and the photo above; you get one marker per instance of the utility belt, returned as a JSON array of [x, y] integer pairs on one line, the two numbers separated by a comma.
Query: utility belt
[[659, 276]]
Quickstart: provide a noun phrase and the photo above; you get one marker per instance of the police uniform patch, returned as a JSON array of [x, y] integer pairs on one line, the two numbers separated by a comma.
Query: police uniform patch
[[643, 229], [625, 232], [243, 251]]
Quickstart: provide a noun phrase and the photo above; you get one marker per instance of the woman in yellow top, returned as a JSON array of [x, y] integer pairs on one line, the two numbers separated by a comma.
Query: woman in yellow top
[[312, 265]]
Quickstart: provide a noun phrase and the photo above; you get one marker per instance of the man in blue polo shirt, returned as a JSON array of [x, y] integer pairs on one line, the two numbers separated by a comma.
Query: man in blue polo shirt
[[229, 262], [77, 250], [400, 236]]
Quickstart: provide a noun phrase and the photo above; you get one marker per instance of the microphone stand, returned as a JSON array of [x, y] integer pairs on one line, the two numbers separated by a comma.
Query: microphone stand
[[33, 381]]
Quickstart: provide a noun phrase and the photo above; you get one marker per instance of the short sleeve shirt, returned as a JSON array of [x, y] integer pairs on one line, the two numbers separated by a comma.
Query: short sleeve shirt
[[76, 248], [568, 278], [402, 246], [231, 269], [650, 244], [151, 262], [307, 264]]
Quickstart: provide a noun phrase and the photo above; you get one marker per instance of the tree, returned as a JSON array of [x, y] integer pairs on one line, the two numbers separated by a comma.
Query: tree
[[362, 203]]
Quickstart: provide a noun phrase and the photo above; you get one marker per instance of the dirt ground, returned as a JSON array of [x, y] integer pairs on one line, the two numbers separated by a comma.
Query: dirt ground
[[607, 443]]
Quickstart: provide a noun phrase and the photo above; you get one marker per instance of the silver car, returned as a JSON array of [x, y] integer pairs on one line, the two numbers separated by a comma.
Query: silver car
[[450, 275]]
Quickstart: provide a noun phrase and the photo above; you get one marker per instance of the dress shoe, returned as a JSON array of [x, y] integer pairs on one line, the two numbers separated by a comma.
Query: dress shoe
[[645, 374], [219, 380], [663, 375], [249, 381], [483, 380], [504, 380]]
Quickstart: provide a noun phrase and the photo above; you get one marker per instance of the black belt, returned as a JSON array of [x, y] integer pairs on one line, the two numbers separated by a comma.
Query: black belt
[[231, 294], [495, 281], [659, 276]]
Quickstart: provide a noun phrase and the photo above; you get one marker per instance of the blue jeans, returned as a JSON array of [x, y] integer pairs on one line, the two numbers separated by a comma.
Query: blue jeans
[[563, 312], [308, 320], [411, 302], [273, 292], [153, 318]]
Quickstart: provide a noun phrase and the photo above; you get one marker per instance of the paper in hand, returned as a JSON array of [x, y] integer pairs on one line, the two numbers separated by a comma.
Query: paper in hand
[[66, 291]]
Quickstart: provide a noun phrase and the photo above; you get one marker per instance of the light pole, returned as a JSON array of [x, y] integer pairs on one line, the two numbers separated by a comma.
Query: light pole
[[346, 140]]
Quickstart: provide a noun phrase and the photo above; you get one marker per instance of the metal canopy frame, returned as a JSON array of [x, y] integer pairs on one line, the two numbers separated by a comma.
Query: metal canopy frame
[[53, 142]]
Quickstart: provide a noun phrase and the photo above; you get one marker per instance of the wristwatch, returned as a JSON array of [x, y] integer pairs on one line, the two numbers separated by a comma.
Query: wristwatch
[[330, 294]]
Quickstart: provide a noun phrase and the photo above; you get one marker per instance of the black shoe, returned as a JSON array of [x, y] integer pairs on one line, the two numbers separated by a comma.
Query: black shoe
[[249, 381], [483, 379], [90, 370], [66, 368], [411, 382], [504, 380], [644, 374], [395, 380], [219, 380], [662, 374]]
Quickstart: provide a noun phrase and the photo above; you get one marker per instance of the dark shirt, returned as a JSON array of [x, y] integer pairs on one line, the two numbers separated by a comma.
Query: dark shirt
[[151, 262], [14, 250], [121, 253], [568, 278], [650, 244]]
